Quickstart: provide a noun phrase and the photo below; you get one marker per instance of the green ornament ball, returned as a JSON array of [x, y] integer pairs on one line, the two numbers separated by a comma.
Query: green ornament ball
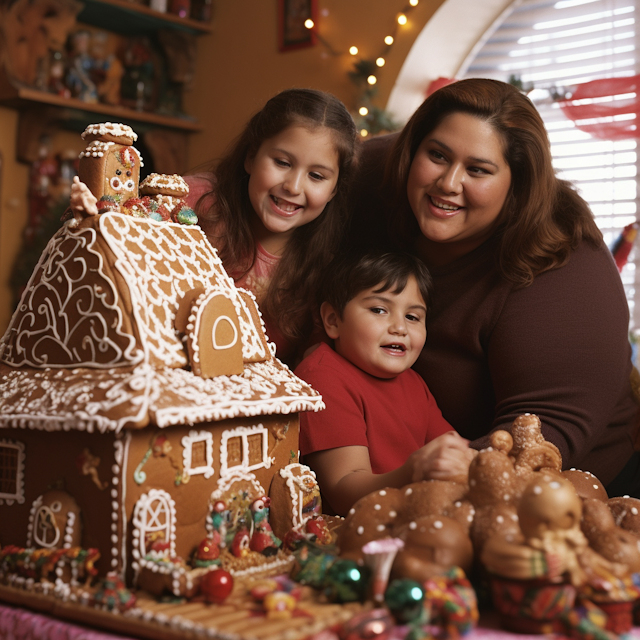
[[405, 600], [346, 581]]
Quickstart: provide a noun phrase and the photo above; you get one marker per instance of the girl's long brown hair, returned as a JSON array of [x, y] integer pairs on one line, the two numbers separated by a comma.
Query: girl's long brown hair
[[291, 296], [543, 218]]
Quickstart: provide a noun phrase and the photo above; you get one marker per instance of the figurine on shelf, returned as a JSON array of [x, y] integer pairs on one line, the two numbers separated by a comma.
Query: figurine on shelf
[[42, 177], [142, 68], [107, 69], [79, 79], [57, 67]]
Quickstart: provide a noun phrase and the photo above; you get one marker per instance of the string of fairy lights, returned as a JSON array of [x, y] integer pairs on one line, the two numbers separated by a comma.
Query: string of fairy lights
[[371, 119]]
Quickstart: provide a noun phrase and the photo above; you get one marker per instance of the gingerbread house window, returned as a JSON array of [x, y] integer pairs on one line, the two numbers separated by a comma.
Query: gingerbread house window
[[11, 472], [154, 522], [244, 448], [198, 453]]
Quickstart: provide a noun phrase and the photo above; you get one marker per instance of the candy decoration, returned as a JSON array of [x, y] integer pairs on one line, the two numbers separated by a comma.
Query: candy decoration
[[372, 625], [346, 581], [379, 556], [185, 215], [405, 600], [451, 602], [216, 585], [312, 565], [279, 605], [207, 553], [113, 595]]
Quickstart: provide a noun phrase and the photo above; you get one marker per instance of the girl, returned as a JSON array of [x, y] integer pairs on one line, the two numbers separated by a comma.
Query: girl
[[275, 206]]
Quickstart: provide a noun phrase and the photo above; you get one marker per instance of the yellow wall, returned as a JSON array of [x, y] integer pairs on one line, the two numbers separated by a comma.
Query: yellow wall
[[239, 66], [238, 69]]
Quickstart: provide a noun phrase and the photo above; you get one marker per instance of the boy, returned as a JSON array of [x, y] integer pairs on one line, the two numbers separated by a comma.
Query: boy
[[382, 427]]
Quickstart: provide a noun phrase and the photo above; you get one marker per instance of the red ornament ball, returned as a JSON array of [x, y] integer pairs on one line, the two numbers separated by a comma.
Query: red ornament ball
[[216, 585]]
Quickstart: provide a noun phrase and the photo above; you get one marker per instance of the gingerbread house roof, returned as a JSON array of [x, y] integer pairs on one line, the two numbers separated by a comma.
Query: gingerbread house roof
[[94, 343]]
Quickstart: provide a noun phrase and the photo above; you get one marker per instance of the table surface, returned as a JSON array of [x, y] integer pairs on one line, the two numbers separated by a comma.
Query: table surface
[[20, 624]]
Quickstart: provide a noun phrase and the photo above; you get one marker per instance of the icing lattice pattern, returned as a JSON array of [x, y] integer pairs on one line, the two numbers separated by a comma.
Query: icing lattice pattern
[[69, 314], [108, 400], [160, 263]]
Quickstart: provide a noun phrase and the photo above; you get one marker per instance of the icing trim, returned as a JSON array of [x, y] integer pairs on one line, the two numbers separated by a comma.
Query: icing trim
[[187, 454], [243, 433]]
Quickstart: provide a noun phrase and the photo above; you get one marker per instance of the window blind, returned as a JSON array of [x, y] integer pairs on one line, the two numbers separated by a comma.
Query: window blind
[[550, 47]]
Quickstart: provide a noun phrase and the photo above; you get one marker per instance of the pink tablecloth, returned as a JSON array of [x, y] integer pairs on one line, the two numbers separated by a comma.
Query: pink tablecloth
[[20, 624]]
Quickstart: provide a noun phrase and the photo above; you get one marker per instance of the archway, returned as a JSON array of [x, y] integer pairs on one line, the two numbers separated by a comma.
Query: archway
[[450, 38]]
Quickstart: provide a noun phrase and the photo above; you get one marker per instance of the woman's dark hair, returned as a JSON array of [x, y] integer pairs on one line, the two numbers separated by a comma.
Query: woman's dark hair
[[350, 274], [291, 295], [543, 218]]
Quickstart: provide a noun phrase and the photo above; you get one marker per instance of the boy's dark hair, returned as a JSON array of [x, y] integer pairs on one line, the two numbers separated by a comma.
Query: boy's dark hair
[[350, 274]]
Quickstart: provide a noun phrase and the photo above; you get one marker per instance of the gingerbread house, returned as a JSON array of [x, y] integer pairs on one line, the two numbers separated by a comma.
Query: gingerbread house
[[136, 382]]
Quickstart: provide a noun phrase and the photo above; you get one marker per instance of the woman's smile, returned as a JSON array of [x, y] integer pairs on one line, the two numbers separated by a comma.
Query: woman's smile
[[458, 183]]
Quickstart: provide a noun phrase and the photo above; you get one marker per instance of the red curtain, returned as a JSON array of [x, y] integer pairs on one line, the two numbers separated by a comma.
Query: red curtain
[[602, 111]]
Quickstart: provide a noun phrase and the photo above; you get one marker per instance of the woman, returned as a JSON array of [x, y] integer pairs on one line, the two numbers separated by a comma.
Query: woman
[[528, 312]]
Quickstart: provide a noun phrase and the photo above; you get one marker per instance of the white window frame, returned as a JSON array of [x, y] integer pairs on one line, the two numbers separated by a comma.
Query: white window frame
[[18, 495], [243, 433], [188, 441]]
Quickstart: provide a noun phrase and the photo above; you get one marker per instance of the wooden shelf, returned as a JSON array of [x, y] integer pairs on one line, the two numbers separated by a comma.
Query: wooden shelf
[[78, 111], [130, 18]]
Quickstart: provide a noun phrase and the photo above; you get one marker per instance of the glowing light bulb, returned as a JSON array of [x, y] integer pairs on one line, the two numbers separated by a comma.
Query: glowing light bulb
[[380, 62], [388, 40], [372, 79], [309, 24], [402, 19], [364, 133], [353, 51], [363, 111]]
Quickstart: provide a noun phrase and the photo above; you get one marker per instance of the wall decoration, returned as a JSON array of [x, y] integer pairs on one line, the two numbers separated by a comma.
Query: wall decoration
[[293, 30]]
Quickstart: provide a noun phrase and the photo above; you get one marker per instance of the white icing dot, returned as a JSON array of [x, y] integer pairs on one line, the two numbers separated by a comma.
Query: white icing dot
[[500, 519], [634, 511], [412, 526], [392, 514], [380, 527], [438, 524], [360, 530], [457, 504], [595, 486], [554, 484], [352, 511], [505, 475], [408, 492], [383, 492], [537, 489], [377, 507]]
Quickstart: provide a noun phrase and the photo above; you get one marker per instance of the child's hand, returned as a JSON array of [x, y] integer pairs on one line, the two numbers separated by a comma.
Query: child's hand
[[82, 201], [446, 457]]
